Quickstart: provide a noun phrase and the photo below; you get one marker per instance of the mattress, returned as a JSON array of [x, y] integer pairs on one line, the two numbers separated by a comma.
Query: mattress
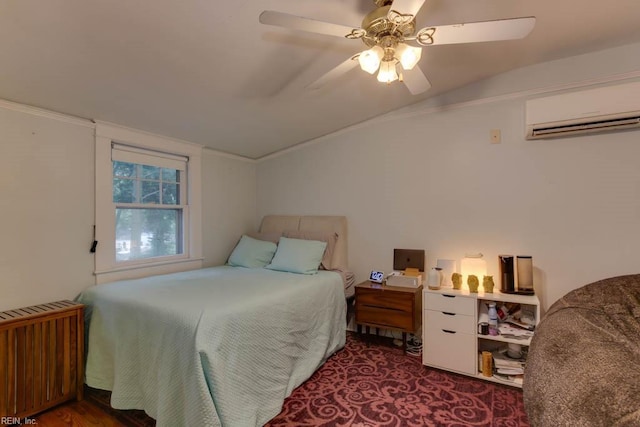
[[217, 346]]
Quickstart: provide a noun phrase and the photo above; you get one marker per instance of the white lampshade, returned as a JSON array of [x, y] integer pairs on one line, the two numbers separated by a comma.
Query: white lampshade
[[387, 72], [408, 55], [473, 264], [370, 59]]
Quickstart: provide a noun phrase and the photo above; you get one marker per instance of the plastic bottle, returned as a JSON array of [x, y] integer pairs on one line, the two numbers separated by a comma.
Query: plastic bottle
[[493, 319]]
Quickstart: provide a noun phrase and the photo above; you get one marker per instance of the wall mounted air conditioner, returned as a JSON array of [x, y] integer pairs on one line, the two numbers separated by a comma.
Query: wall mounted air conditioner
[[594, 110]]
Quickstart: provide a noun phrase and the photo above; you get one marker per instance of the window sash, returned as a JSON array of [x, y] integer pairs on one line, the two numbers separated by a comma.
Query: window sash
[[145, 248], [138, 156], [138, 183]]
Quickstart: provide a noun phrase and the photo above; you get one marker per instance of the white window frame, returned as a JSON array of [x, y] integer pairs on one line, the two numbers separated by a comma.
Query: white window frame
[[106, 267]]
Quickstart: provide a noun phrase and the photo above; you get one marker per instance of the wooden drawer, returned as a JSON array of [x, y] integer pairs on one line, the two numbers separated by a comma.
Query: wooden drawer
[[401, 301], [389, 307], [450, 321], [378, 316], [450, 303], [452, 351]]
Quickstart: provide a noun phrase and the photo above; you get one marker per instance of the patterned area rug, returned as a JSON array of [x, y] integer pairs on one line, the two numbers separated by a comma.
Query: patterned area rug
[[373, 384], [377, 385]]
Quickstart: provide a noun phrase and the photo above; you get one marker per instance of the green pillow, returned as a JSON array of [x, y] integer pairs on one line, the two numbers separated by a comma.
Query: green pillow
[[298, 256], [252, 253]]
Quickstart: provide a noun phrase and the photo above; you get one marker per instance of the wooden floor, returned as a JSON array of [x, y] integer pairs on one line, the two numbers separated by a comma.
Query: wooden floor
[[77, 414]]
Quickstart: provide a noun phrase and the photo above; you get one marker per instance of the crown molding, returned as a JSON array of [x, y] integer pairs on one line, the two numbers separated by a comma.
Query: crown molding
[[125, 134], [41, 112], [413, 111], [514, 95], [229, 155], [115, 128]]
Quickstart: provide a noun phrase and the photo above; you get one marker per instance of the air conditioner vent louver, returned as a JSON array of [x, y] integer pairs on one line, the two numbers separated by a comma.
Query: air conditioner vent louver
[[595, 110], [598, 126]]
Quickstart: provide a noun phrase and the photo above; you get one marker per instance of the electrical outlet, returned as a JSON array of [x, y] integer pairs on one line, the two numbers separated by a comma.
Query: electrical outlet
[[495, 136]]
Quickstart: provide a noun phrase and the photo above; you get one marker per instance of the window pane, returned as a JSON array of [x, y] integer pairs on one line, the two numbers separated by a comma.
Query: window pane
[[169, 194], [150, 192], [169, 175], [148, 233], [150, 172], [123, 190], [124, 169]]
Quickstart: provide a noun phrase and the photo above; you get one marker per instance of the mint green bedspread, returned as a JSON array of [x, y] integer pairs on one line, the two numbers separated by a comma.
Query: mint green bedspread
[[217, 346]]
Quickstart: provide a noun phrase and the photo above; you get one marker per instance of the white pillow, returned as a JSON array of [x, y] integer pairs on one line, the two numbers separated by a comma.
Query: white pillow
[[252, 253], [331, 237], [298, 256]]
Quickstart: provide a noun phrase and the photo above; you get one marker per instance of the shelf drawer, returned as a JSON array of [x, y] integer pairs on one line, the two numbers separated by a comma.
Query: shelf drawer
[[450, 303], [451, 322], [384, 317], [401, 301], [451, 351]]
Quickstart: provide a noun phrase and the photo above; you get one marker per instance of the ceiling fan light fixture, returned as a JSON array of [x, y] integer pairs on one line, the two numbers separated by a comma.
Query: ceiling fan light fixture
[[370, 59], [387, 73], [384, 32], [409, 56]]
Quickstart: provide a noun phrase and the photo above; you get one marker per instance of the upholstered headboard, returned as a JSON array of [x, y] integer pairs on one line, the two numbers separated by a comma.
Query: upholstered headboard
[[326, 223]]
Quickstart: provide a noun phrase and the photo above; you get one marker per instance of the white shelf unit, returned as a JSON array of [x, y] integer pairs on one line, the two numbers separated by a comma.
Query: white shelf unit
[[450, 329]]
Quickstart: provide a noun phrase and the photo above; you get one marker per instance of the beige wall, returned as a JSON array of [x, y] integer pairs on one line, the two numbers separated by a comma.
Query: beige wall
[[47, 204], [411, 179], [432, 180], [228, 206]]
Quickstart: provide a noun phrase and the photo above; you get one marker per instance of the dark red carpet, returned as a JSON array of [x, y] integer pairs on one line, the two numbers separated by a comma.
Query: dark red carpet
[[377, 385]]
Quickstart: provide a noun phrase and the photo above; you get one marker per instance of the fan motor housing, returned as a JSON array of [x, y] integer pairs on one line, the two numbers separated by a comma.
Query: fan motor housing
[[377, 25]]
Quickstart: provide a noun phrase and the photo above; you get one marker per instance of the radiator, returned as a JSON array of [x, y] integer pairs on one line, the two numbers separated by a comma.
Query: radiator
[[41, 357]]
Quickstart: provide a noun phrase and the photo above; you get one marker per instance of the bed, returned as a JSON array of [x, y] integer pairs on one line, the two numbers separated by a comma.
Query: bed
[[583, 367], [222, 345]]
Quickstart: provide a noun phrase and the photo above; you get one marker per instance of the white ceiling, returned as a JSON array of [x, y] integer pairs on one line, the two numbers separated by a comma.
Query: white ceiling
[[209, 73]]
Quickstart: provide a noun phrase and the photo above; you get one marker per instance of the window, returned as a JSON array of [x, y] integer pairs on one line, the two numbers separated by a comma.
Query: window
[[147, 204]]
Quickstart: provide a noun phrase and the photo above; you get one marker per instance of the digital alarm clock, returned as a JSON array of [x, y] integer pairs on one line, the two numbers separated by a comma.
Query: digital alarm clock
[[376, 276]]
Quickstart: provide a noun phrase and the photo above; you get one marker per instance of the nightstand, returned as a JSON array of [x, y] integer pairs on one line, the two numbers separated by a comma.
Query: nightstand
[[389, 307]]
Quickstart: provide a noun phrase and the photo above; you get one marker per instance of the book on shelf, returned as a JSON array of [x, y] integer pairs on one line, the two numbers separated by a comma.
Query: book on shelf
[[507, 330], [516, 379], [501, 360], [519, 324], [510, 371]]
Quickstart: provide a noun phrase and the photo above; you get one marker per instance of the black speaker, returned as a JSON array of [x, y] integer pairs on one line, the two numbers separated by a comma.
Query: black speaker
[[507, 277]]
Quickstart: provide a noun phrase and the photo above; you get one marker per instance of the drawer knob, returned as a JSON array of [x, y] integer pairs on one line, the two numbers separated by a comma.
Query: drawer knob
[[448, 296], [448, 331], [448, 314]]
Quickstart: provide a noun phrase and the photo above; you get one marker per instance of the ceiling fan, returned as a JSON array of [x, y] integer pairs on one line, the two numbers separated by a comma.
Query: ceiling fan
[[390, 34]]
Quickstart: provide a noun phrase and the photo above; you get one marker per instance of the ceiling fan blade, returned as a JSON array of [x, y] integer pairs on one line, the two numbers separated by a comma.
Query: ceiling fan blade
[[279, 19], [336, 72], [502, 29], [406, 7], [416, 81]]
